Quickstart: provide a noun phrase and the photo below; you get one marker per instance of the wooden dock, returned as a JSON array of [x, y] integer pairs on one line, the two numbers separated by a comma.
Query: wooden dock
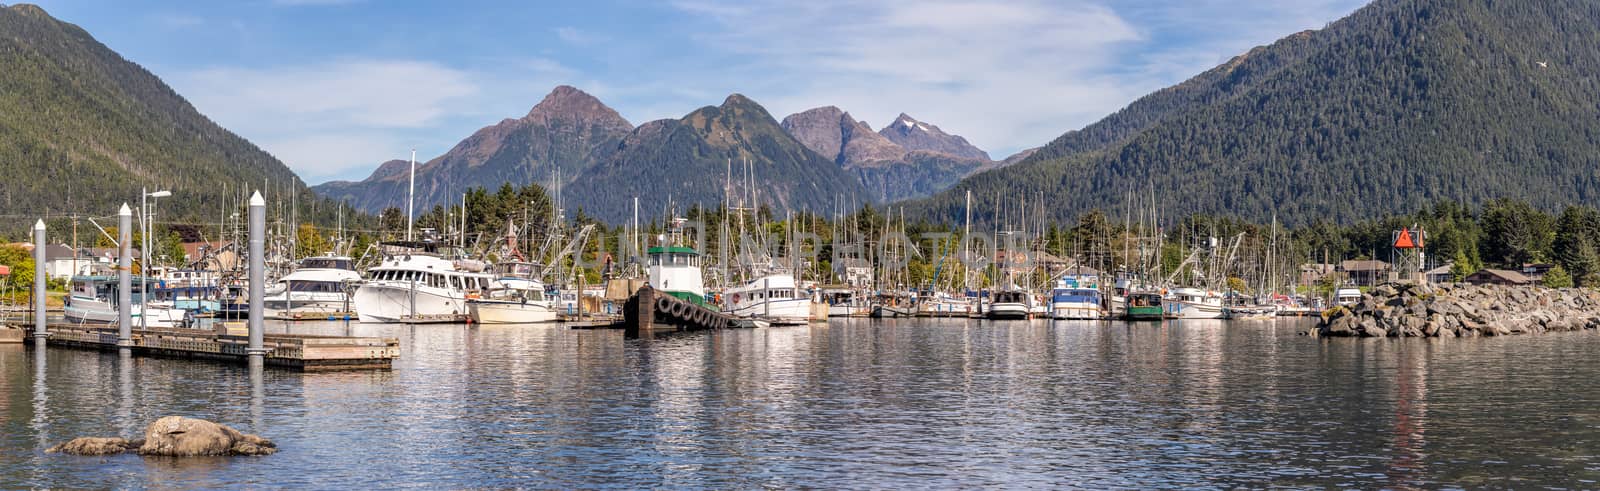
[[296, 351]]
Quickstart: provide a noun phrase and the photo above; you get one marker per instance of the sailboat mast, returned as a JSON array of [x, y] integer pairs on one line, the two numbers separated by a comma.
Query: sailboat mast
[[411, 194]]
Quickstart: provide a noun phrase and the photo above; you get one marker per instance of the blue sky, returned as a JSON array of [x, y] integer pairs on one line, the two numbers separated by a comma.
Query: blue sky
[[334, 87]]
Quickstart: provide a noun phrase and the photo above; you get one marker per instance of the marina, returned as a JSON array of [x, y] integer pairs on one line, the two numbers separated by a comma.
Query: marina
[[837, 405]]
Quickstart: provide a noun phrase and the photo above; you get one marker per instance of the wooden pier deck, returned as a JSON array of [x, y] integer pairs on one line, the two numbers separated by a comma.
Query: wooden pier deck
[[296, 351]]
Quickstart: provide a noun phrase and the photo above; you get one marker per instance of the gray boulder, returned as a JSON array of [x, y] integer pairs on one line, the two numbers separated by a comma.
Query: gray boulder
[[174, 436]]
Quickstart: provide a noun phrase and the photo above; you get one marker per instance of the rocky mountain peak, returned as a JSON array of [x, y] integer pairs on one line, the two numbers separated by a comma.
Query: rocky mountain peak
[[912, 134], [567, 102]]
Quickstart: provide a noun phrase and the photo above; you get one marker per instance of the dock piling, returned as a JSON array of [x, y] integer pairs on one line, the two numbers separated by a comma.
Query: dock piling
[[258, 226], [39, 279], [124, 278]]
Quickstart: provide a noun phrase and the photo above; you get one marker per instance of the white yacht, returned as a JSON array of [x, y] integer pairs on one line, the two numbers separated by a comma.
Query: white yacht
[[316, 289], [774, 297], [94, 299], [1193, 303], [519, 297], [414, 284], [1076, 303]]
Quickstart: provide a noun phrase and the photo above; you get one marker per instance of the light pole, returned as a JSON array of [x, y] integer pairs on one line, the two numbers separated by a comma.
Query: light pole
[[146, 225]]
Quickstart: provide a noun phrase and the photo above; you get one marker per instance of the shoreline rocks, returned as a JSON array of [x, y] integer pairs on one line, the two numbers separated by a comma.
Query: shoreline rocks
[[174, 436], [1461, 310]]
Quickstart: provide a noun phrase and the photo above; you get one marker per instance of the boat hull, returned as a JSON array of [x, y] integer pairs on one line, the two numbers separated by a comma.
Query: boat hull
[[1075, 311], [792, 311], [1002, 311], [1144, 314], [510, 312], [1177, 309], [378, 302]]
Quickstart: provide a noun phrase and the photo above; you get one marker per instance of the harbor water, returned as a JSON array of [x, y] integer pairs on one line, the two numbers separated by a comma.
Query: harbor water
[[899, 404]]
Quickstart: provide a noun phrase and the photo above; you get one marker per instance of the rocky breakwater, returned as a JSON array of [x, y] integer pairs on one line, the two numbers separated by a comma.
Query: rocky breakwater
[[1460, 310]]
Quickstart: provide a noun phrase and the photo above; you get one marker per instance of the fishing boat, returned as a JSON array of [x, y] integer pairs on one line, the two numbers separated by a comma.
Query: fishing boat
[[1193, 303], [1011, 304], [846, 302], [1243, 307], [894, 304], [1143, 306], [518, 297], [94, 299], [1076, 303], [317, 288], [415, 284], [773, 297]]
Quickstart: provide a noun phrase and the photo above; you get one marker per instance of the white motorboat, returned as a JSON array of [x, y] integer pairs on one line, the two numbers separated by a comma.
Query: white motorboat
[[316, 289], [414, 284], [1193, 303], [1011, 304], [1076, 304], [519, 297]]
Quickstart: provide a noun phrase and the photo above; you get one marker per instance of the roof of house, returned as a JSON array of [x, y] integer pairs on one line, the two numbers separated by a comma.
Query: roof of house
[[59, 251], [1442, 269], [1507, 275], [1364, 265]]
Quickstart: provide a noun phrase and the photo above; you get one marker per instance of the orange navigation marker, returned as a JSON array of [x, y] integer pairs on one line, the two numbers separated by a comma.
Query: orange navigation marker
[[1404, 241]]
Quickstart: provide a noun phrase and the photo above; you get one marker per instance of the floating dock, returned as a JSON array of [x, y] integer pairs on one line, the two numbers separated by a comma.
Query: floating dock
[[296, 351]]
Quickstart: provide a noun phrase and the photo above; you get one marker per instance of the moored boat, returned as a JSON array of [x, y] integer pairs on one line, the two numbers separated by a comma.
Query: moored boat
[[414, 284], [1011, 304], [317, 288], [519, 297], [1143, 306]]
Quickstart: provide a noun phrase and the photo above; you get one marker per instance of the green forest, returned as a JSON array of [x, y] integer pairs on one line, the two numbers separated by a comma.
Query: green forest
[[1404, 103]]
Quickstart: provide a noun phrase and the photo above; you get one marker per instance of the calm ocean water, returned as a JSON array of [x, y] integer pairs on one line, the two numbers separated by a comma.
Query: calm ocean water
[[850, 404]]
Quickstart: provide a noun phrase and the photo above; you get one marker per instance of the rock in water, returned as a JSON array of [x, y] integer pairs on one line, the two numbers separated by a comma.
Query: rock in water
[[178, 436], [94, 446], [174, 436]]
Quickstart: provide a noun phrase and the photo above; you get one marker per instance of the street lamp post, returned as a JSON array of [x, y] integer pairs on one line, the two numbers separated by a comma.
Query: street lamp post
[[146, 226]]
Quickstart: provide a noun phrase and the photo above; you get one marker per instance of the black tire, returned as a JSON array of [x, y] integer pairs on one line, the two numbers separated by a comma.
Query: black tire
[[664, 304]]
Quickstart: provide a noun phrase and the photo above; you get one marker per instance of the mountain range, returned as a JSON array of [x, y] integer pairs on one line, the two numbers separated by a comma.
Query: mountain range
[[821, 159], [83, 130], [1400, 104]]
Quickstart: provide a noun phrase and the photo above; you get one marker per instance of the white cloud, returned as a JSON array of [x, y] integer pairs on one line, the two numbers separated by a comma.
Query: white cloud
[[322, 119], [176, 21], [576, 37], [1005, 75]]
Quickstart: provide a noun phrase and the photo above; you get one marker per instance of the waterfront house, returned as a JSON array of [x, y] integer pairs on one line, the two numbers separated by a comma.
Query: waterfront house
[[1536, 271], [1441, 274], [1498, 277], [1365, 272]]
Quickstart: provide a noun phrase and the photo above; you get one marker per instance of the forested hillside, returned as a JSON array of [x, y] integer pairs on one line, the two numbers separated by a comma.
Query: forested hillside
[[1403, 103], [82, 130]]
